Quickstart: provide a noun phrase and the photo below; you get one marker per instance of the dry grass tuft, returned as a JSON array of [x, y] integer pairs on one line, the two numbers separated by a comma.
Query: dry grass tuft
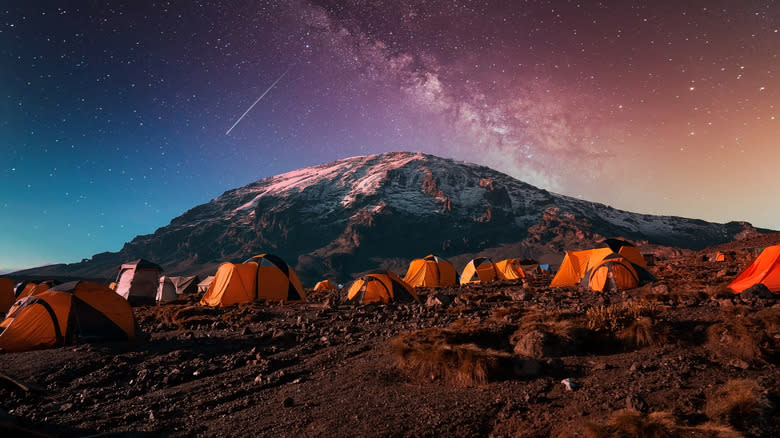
[[750, 337], [545, 334], [485, 333], [631, 423], [616, 317], [741, 403], [465, 353], [188, 317], [429, 355], [641, 333], [632, 325]]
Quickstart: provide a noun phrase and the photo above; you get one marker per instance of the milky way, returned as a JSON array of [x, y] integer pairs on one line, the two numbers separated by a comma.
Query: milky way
[[114, 116]]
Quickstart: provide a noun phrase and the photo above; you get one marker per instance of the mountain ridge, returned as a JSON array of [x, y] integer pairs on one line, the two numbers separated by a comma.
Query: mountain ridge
[[355, 214]]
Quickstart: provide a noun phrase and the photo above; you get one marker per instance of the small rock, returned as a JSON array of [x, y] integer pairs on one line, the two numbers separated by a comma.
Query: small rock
[[599, 365], [758, 290], [259, 379], [569, 384], [634, 367]]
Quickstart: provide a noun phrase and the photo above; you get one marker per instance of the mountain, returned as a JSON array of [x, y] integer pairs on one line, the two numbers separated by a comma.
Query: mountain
[[361, 213]]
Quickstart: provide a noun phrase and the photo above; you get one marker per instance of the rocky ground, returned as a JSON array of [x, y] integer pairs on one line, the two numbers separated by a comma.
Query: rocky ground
[[678, 357]]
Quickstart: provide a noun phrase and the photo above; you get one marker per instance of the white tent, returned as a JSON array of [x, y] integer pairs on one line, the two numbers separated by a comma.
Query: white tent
[[186, 285], [203, 286], [138, 280], [166, 290]]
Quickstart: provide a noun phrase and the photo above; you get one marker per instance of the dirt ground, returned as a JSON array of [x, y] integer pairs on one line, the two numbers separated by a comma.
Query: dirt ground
[[704, 361]]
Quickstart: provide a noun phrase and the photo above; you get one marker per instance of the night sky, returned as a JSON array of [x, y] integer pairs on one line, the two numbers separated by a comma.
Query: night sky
[[113, 115]]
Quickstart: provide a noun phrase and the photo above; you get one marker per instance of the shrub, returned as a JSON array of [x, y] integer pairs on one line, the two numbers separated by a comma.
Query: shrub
[[616, 317], [465, 353], [749, 337], [640, 333], [740, 403], [631, 423], [427, 355], [545, 334]]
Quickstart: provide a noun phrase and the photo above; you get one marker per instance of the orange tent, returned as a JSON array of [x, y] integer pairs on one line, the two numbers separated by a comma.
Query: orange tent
[[232, 284], [7, 297], [24, 289], [627, 250], [431, 271], [722, 257], [79, 310], [509, 269], [31, 289], [480, 269], [765, 269], [380, 287], [575, 264], [263, 277], [325, 285], [275, 280], [613, 272]]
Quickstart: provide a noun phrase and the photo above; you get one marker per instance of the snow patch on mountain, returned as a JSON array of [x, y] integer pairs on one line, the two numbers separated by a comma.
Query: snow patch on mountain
[[346, 179]]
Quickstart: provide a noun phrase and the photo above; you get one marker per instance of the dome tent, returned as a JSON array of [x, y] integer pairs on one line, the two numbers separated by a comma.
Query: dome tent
[[765, 269], [67, 313], [137, 281], [481, 269], [614, 272], [380, 287], [577, 265], [262, 277], [166, 290], [510, 269], [431, 271], [325, 285]]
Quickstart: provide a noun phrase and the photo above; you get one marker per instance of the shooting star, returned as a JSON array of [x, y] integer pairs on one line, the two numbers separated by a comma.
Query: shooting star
[[258, 100]]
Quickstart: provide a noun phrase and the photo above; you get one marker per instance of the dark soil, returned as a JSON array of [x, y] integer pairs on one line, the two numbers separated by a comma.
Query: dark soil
[[329, 369]]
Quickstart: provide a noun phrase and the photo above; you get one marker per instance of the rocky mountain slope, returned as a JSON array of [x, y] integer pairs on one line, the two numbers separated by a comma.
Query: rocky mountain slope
[[360, 213]]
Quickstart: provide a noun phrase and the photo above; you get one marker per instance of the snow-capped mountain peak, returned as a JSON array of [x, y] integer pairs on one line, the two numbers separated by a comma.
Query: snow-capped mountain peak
[[359, 213]]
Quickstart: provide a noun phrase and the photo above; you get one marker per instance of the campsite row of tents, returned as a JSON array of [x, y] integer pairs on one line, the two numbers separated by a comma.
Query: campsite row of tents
[[47, 314], [268, 277]]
